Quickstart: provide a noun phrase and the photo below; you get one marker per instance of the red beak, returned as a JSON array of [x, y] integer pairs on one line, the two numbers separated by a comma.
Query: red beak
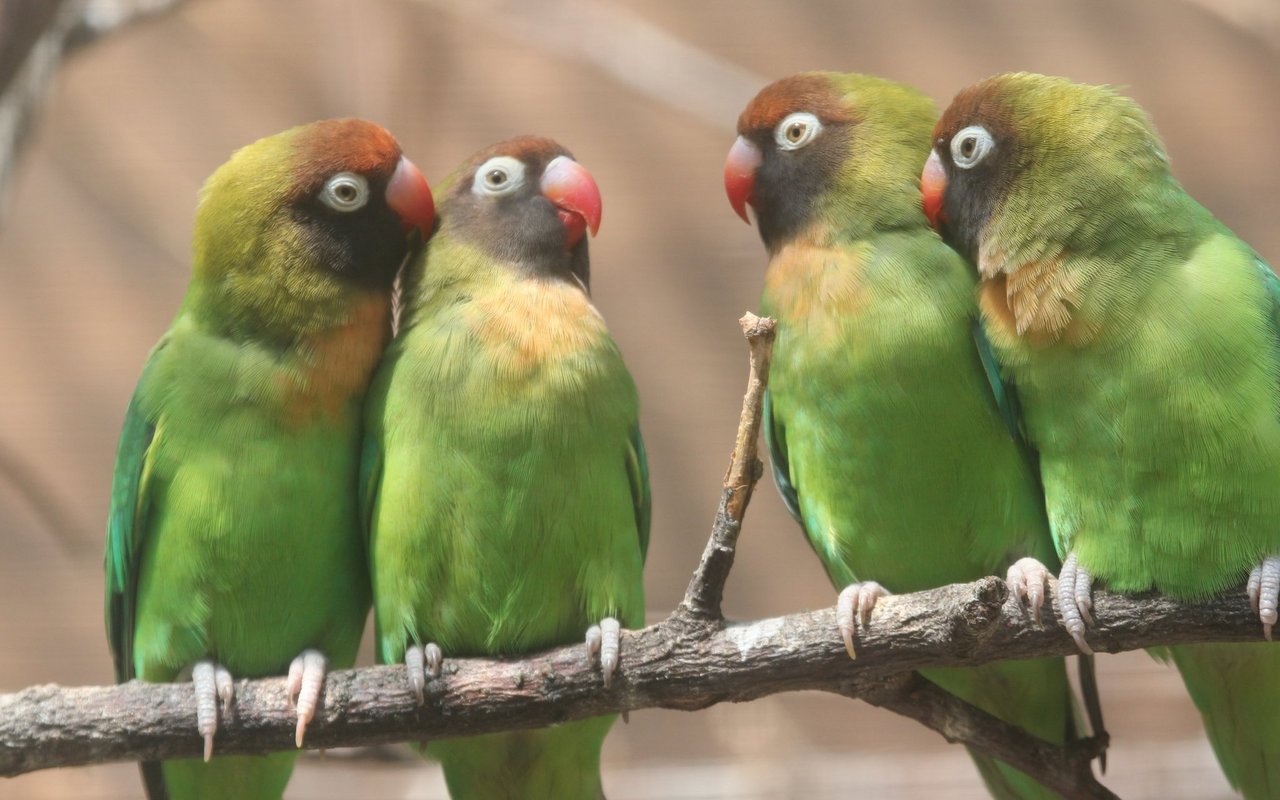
[[740, 175], [410, 197], [933, 186], [569, 187]]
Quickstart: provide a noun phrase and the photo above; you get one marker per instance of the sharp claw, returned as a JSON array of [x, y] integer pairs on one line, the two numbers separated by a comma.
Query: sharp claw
[[1083, 595], [1073, 601], [844, 616], [306, 680], [434, 658], [1254, 587], [1264, 593], [610, 645], [867, 597], [413, 662], [594, 638], [226, 687], [856, 600], [1026, 579], [204, 678], [293, 684]]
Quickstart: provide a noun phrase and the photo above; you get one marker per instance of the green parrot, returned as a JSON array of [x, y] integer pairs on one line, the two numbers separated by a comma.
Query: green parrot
[[1143, 338], [505, 479], [887, 444], [233, 542]]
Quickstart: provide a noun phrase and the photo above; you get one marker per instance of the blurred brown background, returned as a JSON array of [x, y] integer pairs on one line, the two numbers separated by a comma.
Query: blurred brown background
[[94, 258]]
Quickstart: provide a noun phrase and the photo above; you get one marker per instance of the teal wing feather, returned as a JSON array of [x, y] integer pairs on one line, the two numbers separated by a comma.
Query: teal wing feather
[[638, 473], [126, 532], [1272, 283], [1004, 393], [775, 438]]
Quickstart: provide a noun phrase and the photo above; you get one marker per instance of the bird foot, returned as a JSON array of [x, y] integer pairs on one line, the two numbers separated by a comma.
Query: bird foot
[[856, 600], [604, 641], [421, 661], [1075, 601], [214, 690], [306, 680], [1027, 579], [1264, 592]]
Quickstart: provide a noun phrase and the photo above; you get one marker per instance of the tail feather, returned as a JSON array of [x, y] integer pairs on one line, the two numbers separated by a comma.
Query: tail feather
[[1035, 695], [153, 780], [1092, 705], [1235, 688]]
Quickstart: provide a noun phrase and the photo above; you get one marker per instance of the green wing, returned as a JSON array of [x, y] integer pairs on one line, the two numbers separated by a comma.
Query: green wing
[[1272, 282], [370, 480], [776, 440], [638, 473], [126, 531], [1005, 394]]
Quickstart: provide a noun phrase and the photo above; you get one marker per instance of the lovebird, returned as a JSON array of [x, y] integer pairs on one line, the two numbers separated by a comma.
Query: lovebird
[[1141, 335], [887, 444], [505, 477], [234, 543]]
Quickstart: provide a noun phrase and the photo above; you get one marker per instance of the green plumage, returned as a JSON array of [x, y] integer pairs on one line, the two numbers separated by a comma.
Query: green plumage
[[1154, 399], [886, 440], [509, 504], [234, 532]]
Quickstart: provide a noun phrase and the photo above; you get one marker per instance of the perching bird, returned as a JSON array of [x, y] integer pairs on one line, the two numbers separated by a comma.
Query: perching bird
[[1142, 337], [234, 544], [505, 477], [887, 444]]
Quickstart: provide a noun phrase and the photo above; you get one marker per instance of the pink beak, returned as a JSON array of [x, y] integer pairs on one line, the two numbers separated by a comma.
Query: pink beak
[[740, 175], [573, 191], [933, 188], [410, 197]]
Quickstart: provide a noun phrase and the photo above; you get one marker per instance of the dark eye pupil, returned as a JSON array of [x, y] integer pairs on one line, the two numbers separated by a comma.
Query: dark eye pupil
[[795, 131], [496, 177], [345, 191], [968, 146]]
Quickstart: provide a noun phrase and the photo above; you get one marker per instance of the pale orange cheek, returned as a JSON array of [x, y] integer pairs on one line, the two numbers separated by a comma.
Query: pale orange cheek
[[805, 280], [535, 323], [1035, 302], [342, 360]]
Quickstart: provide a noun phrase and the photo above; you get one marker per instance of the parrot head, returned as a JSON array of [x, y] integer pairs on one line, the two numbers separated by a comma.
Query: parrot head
[[1022, 164], [524, 201], [295, 225], [844, 149]]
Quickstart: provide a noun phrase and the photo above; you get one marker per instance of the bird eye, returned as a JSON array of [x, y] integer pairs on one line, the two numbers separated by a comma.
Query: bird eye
[[345, 192], [797, 130], [970, 146], [500, 175]]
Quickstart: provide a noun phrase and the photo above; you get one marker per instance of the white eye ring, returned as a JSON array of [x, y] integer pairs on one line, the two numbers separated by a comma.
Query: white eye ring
[[500, 175], [797, 130], [970, 146], [345, 192]]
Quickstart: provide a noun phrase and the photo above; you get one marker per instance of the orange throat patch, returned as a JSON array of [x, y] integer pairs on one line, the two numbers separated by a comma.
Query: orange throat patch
[[1037, 302], [341, 361]]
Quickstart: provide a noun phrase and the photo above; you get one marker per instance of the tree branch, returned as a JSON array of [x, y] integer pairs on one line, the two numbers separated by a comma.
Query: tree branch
[[35, 37], [1066, 769], [663, 666]]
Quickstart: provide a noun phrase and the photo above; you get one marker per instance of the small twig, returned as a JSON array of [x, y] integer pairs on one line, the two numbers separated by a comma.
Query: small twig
[[1066, 769], [31, 59], [702, 599]]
